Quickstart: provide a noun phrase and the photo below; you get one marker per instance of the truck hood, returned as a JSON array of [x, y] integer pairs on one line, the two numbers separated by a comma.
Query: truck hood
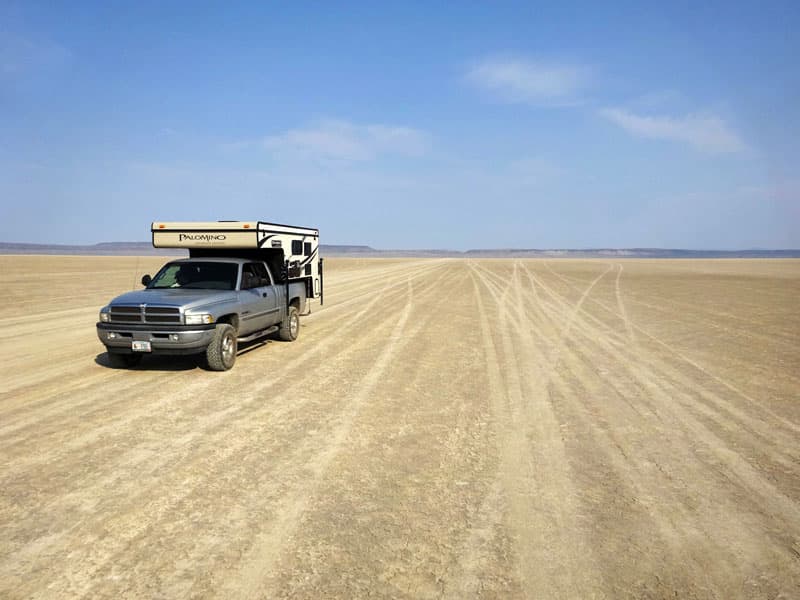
[[179, 298]]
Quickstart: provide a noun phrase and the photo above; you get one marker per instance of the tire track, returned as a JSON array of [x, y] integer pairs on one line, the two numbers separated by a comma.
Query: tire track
[[415, 452], [621, 306], [105, 436], [688, 480], [559, 303], [198, 427], [757, 405], [136, 523], [535, 475], [695, 432], [727, 417], [33, 425], [641, 369], [261, 561], [672, 349], [70, 406]]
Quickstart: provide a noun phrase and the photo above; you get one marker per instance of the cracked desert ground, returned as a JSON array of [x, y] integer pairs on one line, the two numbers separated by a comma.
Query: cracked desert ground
[[441, 429]]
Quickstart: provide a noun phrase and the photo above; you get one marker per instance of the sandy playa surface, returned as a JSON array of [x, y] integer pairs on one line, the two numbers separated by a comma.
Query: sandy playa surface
[[441, 429]]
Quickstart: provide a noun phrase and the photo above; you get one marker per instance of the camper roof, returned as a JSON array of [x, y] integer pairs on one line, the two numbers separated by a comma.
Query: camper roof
[[224, 234]]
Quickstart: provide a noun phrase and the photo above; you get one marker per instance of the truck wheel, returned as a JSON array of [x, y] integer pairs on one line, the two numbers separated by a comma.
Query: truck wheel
[[290, 326], [221, 352], [123, 361]]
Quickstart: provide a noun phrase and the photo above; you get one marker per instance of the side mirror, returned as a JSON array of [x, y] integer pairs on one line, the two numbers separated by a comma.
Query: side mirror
[[146, 280]]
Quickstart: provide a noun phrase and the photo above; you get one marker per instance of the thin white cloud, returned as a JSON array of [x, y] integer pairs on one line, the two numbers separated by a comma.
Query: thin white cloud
[[705, 132], [529, 81], [345, 141]]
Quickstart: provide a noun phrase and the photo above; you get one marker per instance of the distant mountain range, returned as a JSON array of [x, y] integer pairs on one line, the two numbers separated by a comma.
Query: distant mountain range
[[106, 248], [146, 248]]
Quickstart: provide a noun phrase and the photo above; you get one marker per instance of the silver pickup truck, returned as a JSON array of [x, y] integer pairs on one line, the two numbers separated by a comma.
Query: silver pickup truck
[[201, 305]]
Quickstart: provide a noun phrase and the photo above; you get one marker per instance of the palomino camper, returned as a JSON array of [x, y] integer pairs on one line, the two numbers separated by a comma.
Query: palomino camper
[[243, 280], [281, 246]]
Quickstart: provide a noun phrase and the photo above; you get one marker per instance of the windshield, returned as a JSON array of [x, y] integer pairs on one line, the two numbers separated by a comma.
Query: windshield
[[196, 276]]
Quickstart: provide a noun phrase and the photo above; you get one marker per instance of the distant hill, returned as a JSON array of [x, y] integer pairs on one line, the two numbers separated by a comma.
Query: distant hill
[[633, 253], [106, 248], [146, 248], [330, 249]]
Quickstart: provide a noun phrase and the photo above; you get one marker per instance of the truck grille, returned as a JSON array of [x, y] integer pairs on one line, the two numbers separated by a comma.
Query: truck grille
[[162, 314], [151, 314], [126, 314]]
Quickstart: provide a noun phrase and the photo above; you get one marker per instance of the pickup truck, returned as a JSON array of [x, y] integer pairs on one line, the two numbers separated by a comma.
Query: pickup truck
[[201, 306]]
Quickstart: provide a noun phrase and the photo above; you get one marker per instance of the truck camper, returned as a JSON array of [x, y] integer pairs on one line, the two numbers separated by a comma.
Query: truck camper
[[243, 280]]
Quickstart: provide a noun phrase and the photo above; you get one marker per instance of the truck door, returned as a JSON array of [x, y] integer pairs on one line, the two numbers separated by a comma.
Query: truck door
[[258, 299]]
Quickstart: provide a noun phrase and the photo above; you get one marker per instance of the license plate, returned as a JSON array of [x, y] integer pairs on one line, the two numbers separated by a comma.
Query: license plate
[[138, 346]]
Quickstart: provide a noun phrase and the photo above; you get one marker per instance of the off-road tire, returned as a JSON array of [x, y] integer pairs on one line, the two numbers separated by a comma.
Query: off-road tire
[[221, 352], [123, 361], [290, 326]]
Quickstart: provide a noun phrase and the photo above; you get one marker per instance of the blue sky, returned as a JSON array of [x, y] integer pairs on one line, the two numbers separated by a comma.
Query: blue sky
[[411, 125]]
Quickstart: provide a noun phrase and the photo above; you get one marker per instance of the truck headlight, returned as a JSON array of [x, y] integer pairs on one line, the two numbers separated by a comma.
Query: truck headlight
[[201, 319], [105, 316]]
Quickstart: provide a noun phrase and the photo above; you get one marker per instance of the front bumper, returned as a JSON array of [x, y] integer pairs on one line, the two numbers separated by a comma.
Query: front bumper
[[191, 339]]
